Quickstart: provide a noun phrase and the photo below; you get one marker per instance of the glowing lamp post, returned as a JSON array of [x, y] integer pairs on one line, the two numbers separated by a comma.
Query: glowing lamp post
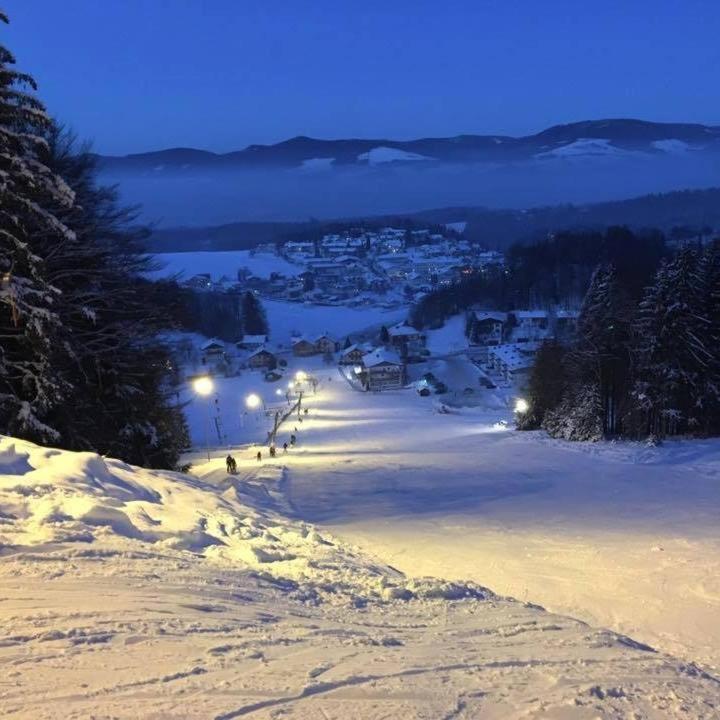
[[521, 406], [301, 376], [203, 386], [253, 401]]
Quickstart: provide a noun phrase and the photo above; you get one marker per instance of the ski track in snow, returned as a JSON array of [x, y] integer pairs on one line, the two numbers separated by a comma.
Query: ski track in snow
[[136, 593]]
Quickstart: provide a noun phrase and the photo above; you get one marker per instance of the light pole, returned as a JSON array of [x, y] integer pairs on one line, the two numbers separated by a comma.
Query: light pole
[[203, 386]]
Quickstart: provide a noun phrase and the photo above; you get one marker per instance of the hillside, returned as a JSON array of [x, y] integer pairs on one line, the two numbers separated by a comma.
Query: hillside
[[494, 228]]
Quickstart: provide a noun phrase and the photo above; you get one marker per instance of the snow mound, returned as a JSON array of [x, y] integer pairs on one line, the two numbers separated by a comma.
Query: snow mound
[[50, 497], [674, 147], [584, 147], [381, 155]]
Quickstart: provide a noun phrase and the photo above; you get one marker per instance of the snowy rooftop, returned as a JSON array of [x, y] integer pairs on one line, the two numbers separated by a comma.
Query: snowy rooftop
[[402, 329], [516, 356], [381, 356], [530, 313], [481, 315]]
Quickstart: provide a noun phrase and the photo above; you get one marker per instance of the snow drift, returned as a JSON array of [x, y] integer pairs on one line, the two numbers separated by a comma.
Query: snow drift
[[50, 496]]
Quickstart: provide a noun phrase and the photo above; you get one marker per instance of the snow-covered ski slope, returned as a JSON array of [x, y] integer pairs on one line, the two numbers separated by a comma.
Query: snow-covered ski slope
[[620, 535], [130, 593]]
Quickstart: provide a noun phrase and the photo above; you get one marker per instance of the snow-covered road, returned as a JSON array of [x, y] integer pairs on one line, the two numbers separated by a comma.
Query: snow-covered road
[[619, 535]]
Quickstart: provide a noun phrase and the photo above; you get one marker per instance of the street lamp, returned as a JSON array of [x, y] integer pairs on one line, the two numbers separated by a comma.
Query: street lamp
[[203, 386], [253, 401], [301, 376], [521, 406]]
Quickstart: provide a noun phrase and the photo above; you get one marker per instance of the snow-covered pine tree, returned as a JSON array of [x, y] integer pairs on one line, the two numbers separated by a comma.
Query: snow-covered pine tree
[[599, 359], [671, 357], [253, 315], [546, 385], [30, 329], [710, 275], [122, 402]]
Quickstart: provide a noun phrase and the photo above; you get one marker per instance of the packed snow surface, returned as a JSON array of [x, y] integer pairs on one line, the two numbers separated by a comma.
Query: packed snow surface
[[616, 534], [222, 264], [346, 577], [133, 593]]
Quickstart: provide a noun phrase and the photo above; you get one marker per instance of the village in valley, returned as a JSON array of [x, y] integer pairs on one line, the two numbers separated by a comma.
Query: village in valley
[[356, 267], [386, 269]]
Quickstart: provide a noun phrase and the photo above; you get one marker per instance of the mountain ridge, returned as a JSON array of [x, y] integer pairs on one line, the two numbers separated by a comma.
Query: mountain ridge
[[591, 137]]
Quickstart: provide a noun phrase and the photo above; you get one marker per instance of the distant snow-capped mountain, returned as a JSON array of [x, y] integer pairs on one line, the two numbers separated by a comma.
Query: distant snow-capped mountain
[[595, 138]]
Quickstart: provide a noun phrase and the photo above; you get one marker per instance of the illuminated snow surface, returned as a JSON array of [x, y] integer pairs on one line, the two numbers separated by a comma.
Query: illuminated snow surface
[[298, 588]]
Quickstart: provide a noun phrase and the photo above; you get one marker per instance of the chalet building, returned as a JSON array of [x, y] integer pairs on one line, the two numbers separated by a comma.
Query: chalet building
[[528, 324], [303, 348], [406, 339], [325, 344], [354, 354], [212, 350], [251, 342], [262, 358], [382, 370], [488, 327], [401, 335]]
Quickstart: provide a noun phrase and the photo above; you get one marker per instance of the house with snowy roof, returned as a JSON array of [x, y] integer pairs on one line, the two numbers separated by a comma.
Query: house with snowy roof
[[354, 354], [513, 361], [402, 335], [251, 342], [262, 358], [382, 369], [302, 347], [212, 350], [488, 327], [325, 344], [529, 324]]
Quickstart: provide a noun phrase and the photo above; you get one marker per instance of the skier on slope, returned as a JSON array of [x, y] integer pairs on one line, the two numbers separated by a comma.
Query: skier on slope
[[229, 463], [259, 456]]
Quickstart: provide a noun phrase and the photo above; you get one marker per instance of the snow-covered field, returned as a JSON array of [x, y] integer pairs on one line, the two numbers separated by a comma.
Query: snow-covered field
[[222, 264], [286, 319]]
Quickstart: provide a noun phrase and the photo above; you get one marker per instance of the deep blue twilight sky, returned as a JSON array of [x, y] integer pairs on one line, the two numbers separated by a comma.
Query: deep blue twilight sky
[[135, 75]]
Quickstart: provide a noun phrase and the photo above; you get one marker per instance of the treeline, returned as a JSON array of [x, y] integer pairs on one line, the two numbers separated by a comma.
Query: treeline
[[226, 315], [552, 273], [647, 367], [683, 214], [80, 366]]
